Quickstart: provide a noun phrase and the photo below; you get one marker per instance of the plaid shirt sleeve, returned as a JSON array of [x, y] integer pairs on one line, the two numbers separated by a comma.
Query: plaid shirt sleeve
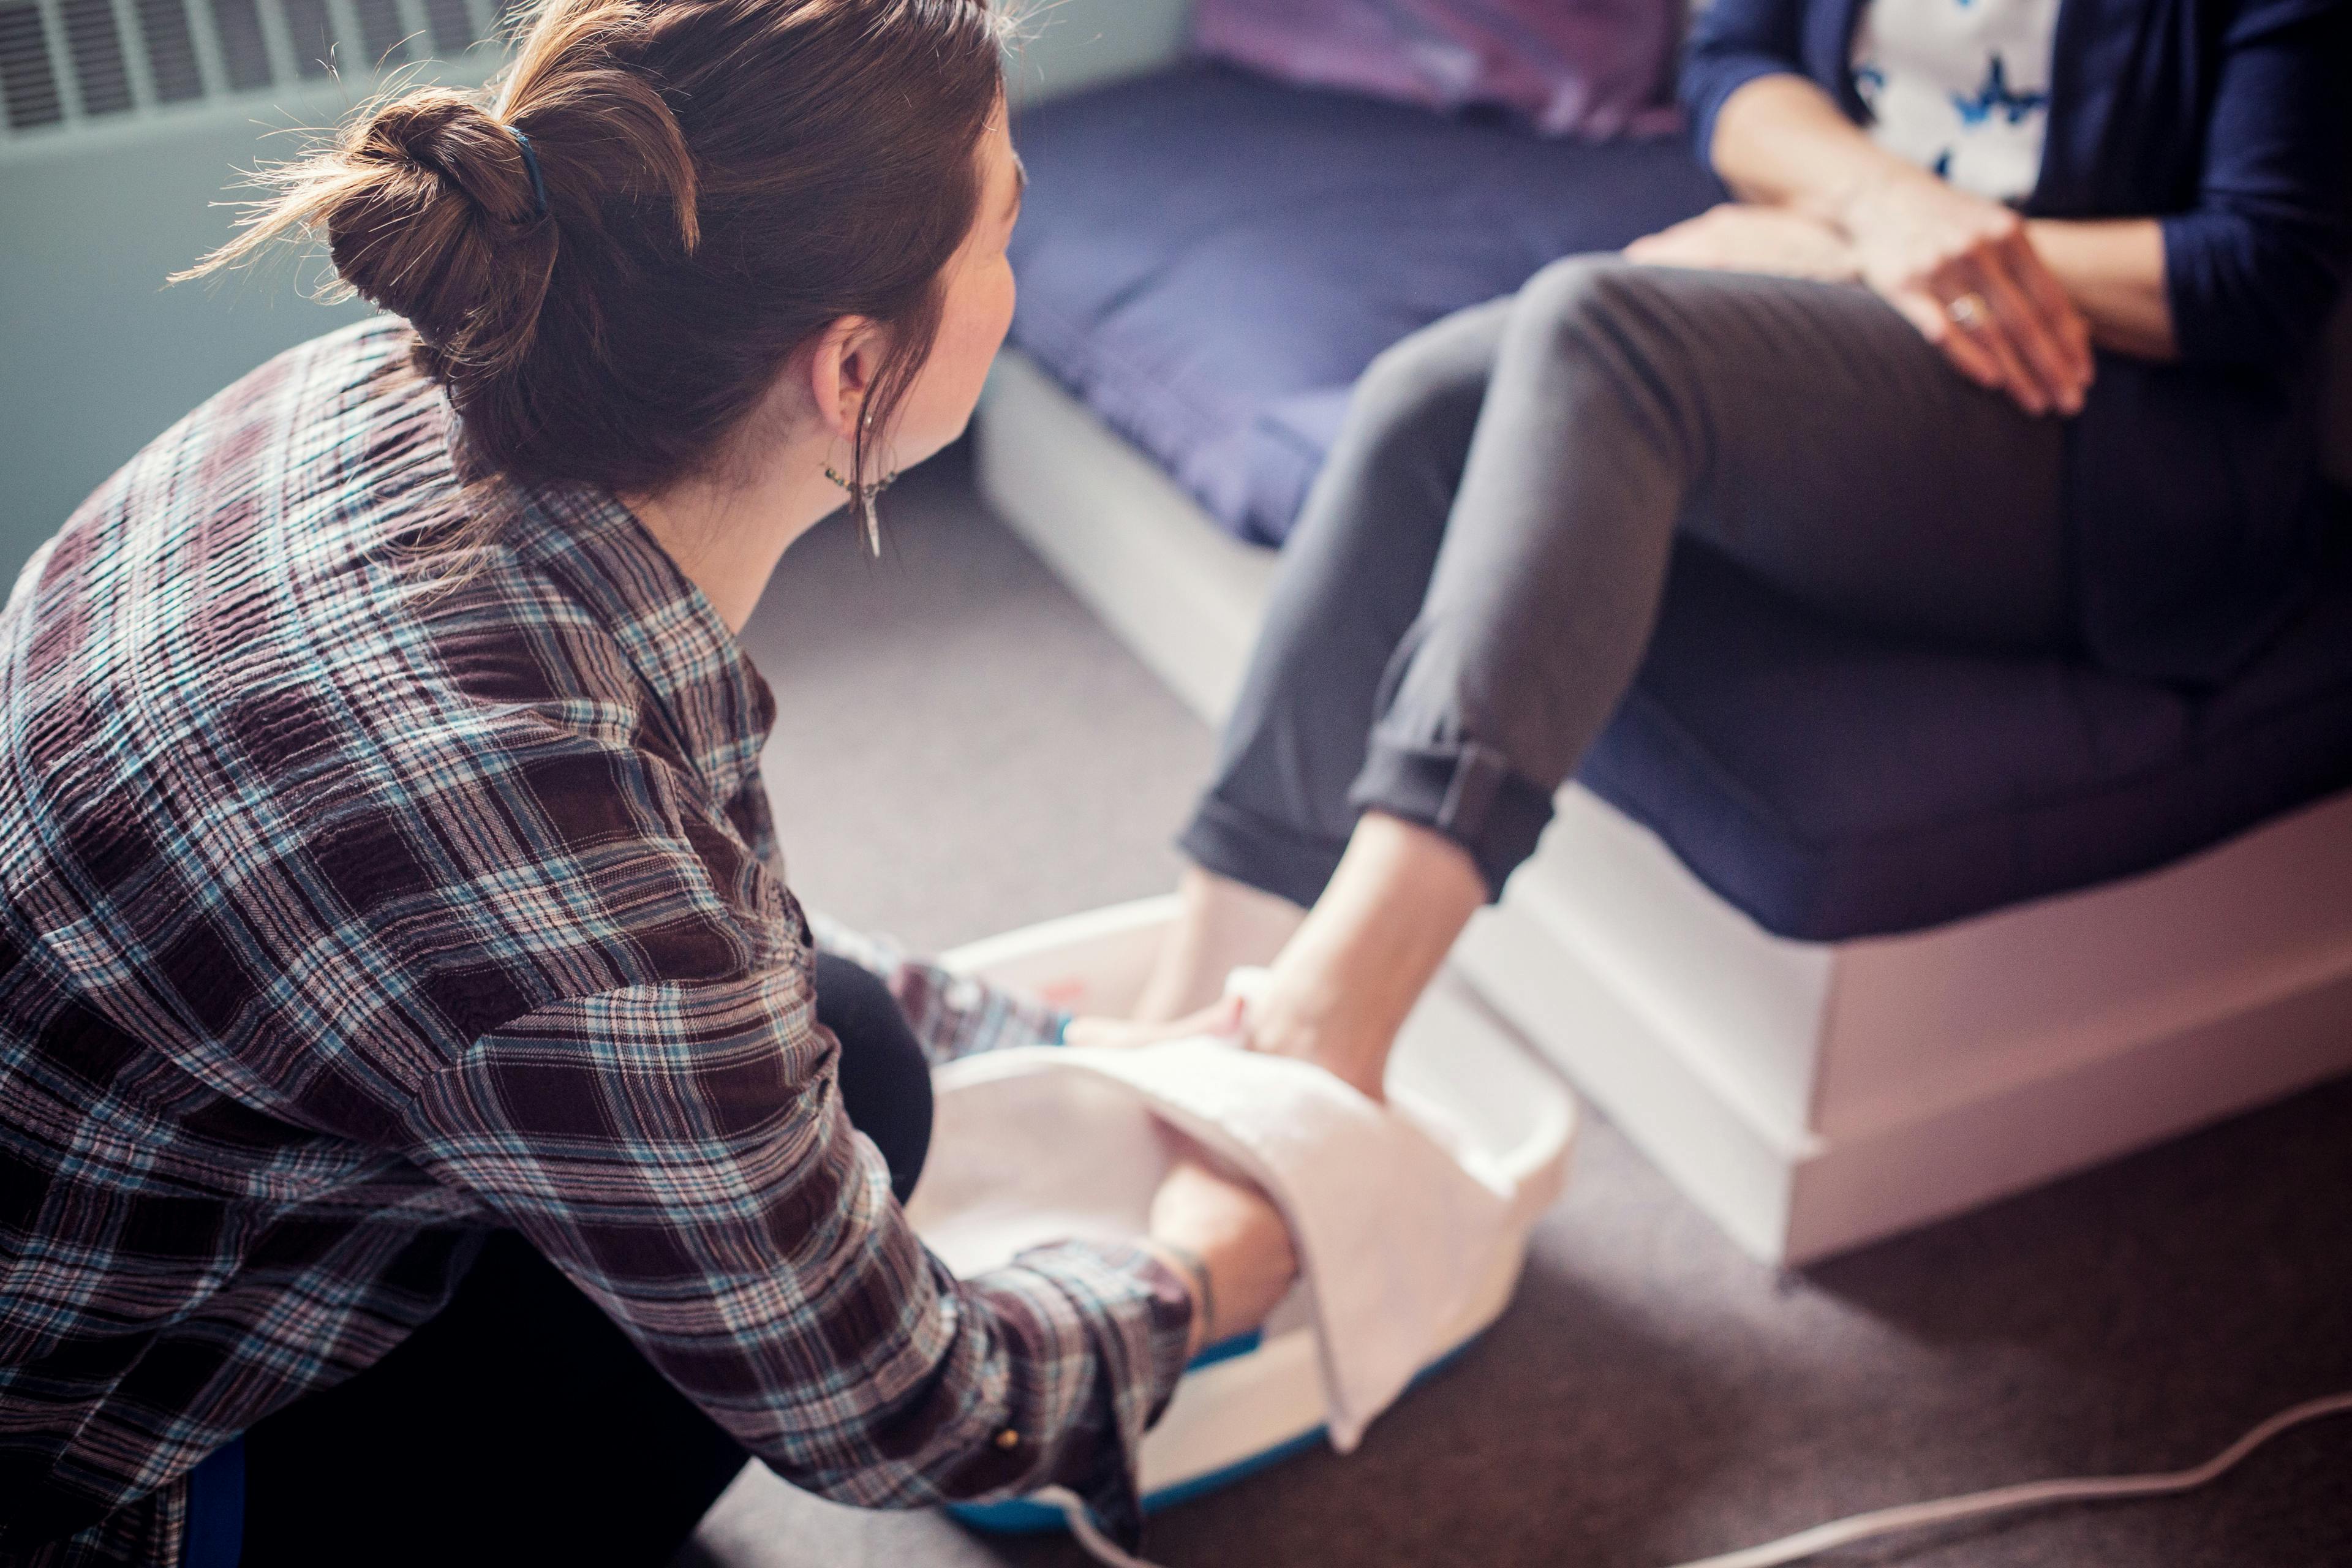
[[403, 829], [680, 1152]]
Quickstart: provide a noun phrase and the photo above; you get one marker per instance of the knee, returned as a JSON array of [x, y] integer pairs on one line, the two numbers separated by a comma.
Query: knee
[[1583, 299], [1433, 378], [886, 1079], [1617, 339]]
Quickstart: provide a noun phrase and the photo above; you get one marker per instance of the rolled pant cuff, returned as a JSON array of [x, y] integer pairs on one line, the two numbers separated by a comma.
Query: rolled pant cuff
[[1464, 791], [1269, 856]]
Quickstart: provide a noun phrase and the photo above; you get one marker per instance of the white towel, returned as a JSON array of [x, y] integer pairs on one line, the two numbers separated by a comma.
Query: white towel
[[1396, 1220]]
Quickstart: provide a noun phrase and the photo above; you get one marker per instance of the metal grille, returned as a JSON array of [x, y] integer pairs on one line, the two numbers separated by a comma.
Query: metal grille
[[244, 46], [172, 63], [97, 50], [452, 24], [381, 33], [313, 35], [27, 84], [66, 63]]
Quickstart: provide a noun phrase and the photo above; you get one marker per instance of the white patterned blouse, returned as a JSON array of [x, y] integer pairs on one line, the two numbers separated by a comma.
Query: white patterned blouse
[[1960, 86]]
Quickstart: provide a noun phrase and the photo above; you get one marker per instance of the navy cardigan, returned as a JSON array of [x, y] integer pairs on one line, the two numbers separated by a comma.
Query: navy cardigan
[[2193, 488]]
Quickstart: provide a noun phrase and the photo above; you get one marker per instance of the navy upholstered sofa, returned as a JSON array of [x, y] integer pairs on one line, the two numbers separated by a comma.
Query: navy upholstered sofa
[[1208, 260]]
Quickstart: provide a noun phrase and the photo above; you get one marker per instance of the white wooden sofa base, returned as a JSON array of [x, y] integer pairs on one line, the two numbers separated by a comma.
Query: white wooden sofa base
[[1810, 1096]]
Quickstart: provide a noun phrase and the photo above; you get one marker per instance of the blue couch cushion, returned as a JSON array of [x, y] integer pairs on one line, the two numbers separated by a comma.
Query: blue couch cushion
[[1835, 783], [1209, 260]]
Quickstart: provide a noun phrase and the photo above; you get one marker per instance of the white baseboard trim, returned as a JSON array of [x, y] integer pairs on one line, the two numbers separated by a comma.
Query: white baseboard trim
[[1134, 547]]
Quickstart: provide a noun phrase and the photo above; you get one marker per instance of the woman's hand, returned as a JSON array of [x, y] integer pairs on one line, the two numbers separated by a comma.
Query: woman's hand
[[1203, 1213], [1219, 1018], [1237, 1237], [1740, 236], [1961, 270]]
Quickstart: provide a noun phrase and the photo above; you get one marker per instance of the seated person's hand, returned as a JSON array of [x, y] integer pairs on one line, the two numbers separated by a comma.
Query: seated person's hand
[[1963, 270], [1739, 237], [1224, 1225]]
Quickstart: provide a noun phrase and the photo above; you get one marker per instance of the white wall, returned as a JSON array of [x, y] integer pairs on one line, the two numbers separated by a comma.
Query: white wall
[[1075, 42], [97, 356]]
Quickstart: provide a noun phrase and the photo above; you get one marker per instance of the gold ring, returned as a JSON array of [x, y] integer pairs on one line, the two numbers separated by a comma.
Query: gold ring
[[1968, 310]]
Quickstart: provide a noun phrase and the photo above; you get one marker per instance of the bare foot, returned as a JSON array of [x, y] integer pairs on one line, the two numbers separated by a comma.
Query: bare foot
[[1342, 986], [1221, 925]]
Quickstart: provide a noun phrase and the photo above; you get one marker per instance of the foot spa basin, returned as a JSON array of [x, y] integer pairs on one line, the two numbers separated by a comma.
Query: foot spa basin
[[1490, 1127]]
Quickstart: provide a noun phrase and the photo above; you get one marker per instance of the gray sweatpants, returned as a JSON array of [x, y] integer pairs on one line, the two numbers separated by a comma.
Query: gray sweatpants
[[1479, 568]]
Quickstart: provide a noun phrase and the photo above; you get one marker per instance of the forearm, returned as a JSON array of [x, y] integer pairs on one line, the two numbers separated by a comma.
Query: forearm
[[678, 1151], [1782, 142], [2113, 269]]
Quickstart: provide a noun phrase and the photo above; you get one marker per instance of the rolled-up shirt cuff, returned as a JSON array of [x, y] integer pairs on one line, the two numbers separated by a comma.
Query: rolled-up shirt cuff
[[1138, 1314], [1707, 84], [2238, 296]]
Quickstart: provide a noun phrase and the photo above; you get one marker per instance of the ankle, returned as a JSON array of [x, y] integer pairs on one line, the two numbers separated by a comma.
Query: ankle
[[1345, 982], [1220, 925], [1305, 1015]]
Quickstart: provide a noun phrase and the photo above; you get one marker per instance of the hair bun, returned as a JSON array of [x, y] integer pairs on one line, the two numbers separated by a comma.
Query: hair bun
[[628, 337], [437, 219], [447, 134]]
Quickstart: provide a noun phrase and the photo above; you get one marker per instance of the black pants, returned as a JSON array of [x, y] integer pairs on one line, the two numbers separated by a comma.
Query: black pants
[[1475, 576], [520, 1426]]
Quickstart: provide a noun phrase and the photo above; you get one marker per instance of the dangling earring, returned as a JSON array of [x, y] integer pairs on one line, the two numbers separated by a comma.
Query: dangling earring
[[862, 497]]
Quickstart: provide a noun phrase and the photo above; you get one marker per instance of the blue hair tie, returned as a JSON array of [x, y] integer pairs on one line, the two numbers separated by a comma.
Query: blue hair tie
[[530, 161]]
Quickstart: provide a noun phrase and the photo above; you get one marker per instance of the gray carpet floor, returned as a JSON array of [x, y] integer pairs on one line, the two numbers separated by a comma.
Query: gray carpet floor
[[962, 749]]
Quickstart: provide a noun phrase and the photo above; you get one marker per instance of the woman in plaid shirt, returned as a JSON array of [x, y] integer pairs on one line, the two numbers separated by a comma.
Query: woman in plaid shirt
[[428, 1129]]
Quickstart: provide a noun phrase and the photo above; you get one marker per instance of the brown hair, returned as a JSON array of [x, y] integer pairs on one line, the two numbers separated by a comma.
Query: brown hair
[[722, 178]]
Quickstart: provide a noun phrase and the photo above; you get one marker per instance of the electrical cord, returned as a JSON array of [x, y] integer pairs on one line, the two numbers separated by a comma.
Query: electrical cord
[[1091, 1538], [2009, 1500], [1884, 1521]]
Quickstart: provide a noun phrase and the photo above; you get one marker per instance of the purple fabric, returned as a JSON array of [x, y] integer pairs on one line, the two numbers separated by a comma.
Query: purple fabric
[[1590, 68]]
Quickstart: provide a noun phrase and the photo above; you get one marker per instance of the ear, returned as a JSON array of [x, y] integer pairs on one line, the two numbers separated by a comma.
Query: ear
[[848, 357]]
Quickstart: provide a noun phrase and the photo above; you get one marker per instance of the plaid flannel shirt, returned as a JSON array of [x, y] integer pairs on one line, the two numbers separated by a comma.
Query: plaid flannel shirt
[[371, 882]]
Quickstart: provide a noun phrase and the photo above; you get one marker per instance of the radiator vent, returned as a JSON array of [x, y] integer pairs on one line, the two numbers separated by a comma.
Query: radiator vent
[[452, 26], [381, 32], [27, 82], [313, 32], [71, 64], [97, 50], [244, 46], [171, 51]]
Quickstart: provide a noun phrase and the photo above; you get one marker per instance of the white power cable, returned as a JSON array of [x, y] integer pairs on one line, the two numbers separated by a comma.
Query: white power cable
[[2008, 1499], [1884, 1521], [1097, 1545]]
